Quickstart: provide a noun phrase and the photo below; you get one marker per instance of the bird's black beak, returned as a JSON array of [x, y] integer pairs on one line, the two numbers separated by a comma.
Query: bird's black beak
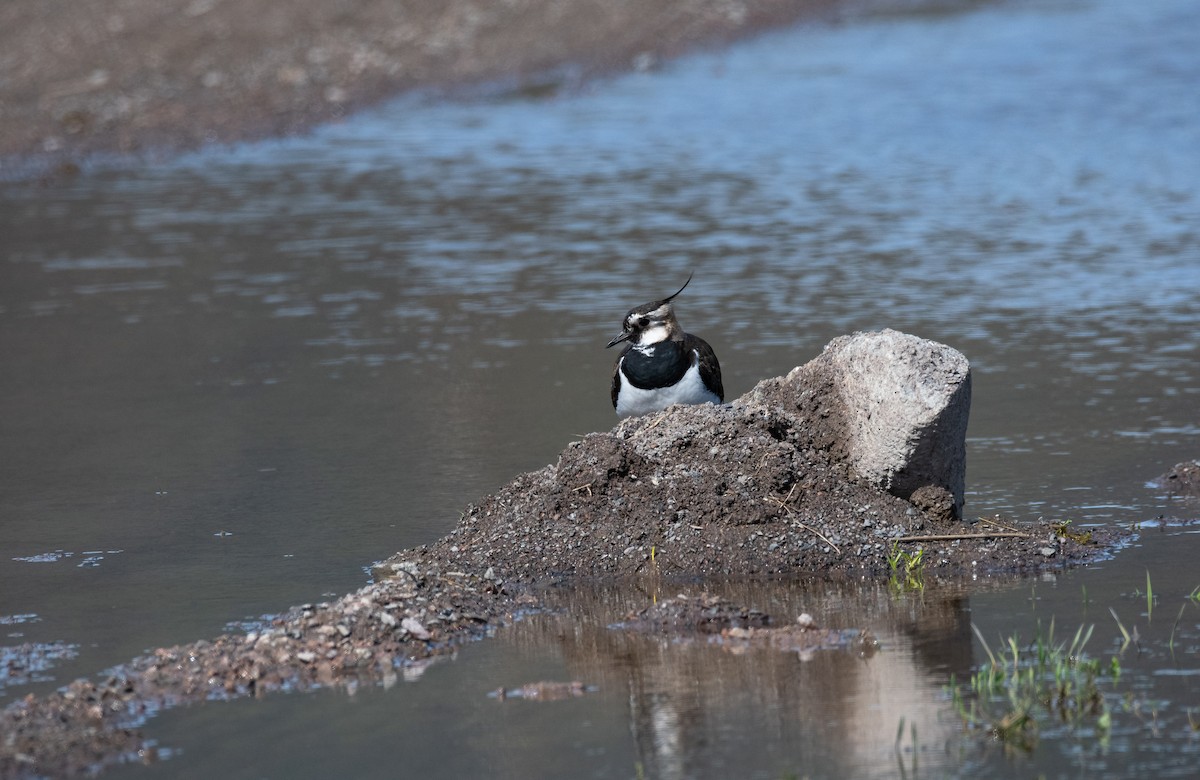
[[617, 340]]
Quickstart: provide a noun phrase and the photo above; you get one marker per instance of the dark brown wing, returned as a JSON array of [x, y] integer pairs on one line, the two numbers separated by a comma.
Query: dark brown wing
[[710, 369]]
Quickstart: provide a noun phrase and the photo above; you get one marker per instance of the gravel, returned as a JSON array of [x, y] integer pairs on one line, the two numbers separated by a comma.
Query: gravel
[[150, 77]]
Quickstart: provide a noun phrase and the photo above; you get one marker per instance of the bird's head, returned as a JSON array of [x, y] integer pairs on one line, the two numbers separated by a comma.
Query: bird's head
[[650, 323]]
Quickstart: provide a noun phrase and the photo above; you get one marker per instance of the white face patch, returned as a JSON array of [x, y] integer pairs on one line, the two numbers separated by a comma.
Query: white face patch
[[653, 334]]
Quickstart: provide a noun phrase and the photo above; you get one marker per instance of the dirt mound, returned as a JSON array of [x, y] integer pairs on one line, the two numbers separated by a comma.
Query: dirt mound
[[699, 490], [762, 486]]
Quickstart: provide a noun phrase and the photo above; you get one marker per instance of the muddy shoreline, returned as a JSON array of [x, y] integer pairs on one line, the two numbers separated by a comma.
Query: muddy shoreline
[[147, 78], [423, 610], [687, 498]]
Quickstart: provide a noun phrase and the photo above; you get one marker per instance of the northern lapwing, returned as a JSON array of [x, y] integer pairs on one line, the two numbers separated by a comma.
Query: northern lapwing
[[661, 365]]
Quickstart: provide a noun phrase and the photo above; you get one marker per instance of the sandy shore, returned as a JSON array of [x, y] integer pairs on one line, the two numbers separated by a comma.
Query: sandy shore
[[144, 76]]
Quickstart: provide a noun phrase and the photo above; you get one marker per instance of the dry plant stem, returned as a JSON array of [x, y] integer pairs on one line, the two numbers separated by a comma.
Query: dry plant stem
[[952, 537], [788, 509], [998, 524]]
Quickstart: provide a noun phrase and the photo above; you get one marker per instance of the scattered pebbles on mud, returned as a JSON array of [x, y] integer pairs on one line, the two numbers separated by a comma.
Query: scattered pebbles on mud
[[380, 633]]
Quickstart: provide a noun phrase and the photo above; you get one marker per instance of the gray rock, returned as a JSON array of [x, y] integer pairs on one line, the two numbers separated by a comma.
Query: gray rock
[[907, 401], [892, 406]]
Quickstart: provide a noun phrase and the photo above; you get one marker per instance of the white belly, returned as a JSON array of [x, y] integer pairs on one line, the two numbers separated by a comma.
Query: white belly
[[633, 401]]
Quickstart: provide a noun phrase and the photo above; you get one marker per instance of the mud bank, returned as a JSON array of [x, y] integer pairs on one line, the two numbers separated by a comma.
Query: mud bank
[[763, 486], [147, 76]]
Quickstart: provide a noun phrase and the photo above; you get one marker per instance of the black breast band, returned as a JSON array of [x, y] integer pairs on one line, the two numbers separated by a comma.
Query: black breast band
[[662, 365]]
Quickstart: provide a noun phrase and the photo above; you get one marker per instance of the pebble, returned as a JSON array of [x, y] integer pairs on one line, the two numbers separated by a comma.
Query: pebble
[[414, 627]]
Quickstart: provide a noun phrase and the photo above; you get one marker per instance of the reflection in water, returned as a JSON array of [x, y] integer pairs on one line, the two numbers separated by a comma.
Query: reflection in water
[[676, 705], [699, 707]]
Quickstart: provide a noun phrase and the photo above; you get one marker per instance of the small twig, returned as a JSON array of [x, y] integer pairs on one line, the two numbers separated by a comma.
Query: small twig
[[998, 524], [836, 549], [587, 487], [786, 499], [952, 537], [788, 509], [657, 421]]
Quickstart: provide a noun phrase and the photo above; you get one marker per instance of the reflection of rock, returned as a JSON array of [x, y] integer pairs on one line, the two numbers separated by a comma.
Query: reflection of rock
[[1183, 479], [704, 614], [545, 691], [737, 628], [689, 691]]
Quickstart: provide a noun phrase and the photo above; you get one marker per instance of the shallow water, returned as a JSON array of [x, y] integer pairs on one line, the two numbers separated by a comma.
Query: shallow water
[[233, 381]]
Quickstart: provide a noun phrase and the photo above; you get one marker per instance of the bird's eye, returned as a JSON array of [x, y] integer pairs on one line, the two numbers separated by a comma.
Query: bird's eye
[[641, 322]]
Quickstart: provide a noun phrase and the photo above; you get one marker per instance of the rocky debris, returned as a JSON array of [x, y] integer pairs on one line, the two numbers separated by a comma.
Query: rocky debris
[[899, 405], [545, 691], [380, 633], [1183, 479]]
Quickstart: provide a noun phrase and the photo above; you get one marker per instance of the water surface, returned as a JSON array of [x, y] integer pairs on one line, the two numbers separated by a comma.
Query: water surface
[[233, 381]]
